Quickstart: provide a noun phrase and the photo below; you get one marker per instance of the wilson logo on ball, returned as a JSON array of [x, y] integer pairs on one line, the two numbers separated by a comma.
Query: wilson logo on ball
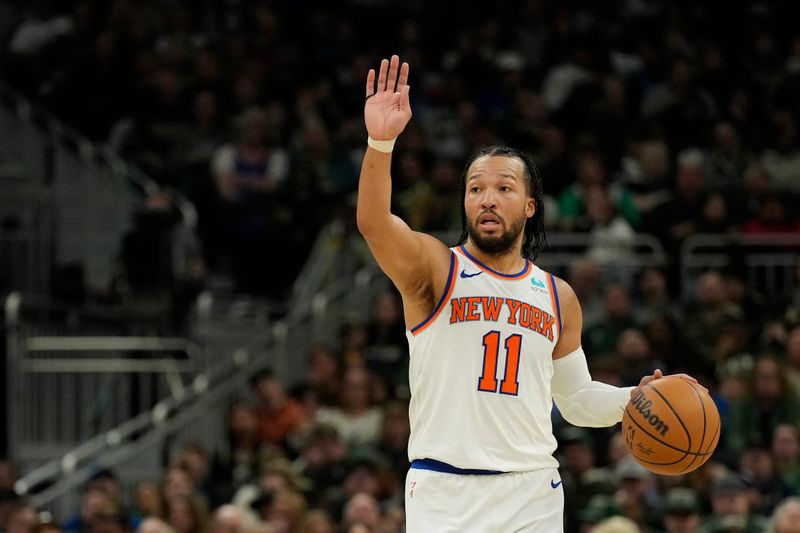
[[642, 405]]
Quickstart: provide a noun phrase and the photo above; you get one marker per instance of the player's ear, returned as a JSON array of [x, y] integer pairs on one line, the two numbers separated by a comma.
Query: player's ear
[[530, 208]]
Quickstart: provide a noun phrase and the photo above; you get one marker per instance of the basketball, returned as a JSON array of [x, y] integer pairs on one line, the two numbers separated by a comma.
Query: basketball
[[671, 426]]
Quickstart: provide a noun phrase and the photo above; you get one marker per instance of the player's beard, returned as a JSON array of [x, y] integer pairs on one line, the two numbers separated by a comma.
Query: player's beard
[[496, 245]]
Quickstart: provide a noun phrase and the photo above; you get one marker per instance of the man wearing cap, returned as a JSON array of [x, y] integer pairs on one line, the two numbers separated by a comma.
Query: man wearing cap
[[730, 506], [681, 511]]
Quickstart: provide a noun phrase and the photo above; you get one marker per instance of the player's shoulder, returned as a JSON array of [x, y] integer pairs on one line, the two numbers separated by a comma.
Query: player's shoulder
[[565, 293]]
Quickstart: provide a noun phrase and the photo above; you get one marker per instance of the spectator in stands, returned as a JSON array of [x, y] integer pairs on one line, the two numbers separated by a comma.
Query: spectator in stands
[[386, 354], [730, 507], [633, 350], [193, 459], [322, 459], [653, 298], [573, 203], [20, 518], [772, 217], [324, 374], [785, 448], [782, 157], [715, 215], [393, 442], [361, 509], [581, 477], [353, 342], [601, 337], [713, 316], [279, 416], [177, 483], [766, 485], [611, 237], [682, 511], [677, 218], [726, 160], [428, 204], [786, 517], [149, 501], [667, 343], [617, 524], [770, 402], [282, 512], [357, 420], [110, 523], [236, 462], [646, 174], [792, 358], [276, 476], [317, 521], [248, 177], [188, 514], [636, 494], [155, 525], [8, 475], [584, 278], [96, 501], [681, 107]]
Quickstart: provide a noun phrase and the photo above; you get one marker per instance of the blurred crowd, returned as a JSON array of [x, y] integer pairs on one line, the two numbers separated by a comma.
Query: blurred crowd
[[644, 116]]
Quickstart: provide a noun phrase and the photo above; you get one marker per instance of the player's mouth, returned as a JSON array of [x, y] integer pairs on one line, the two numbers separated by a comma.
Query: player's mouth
[[489, 221]]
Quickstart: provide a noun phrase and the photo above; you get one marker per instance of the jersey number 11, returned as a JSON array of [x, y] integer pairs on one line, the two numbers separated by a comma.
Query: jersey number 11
[[491, 349]]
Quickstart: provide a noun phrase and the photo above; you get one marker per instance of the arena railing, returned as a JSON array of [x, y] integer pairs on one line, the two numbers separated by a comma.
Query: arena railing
[[89, 192], [768, 263]]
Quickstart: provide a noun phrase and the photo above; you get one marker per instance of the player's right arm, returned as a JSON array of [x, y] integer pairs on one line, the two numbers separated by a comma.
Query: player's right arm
[[414, 261]]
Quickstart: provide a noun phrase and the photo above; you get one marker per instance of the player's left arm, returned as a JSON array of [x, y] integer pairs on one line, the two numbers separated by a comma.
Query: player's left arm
[[582, 401]]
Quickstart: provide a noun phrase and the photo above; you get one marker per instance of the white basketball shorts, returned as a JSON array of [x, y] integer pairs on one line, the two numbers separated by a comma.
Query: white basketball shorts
[[500, 503]]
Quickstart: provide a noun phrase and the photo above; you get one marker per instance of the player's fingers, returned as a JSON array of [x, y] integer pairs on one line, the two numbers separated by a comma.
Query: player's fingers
[[370, 82], [404, 90], [403, 79], [382, 75], [391, 81]]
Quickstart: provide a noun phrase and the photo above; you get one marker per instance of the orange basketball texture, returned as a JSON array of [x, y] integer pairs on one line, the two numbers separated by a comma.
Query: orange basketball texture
[[671, 426]]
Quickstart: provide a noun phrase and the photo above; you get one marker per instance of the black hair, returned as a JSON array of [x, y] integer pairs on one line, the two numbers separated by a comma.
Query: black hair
[[535, 239]]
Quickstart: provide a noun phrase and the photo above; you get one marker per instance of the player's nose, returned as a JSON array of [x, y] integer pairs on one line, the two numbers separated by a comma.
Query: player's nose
[[488, 200]]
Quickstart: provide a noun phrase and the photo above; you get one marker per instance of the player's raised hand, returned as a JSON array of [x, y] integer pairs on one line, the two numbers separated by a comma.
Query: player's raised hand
[[387, 110]]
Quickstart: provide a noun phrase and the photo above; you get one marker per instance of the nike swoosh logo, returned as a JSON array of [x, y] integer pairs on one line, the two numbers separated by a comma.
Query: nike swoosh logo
[[555, 484], [465, 275]]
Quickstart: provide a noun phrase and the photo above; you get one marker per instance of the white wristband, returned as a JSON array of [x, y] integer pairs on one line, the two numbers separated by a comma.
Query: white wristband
[[382, 146]]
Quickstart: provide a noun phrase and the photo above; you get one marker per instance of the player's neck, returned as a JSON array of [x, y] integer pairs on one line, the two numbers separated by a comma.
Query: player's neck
[[509, 262]]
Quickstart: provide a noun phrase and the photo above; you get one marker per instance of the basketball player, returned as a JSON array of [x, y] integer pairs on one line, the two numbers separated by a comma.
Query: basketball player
[[493, 339]]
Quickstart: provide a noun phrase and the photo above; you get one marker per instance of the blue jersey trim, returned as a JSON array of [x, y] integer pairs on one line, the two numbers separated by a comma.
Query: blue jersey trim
[[447, 287], [439, 466], [472, 258], [558, 302]]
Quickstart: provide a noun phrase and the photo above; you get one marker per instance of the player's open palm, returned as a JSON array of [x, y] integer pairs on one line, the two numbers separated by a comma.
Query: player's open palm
[[388, 109]]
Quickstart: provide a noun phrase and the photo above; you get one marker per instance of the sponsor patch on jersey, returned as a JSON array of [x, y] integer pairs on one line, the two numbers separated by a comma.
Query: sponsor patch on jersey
[[538, 286]]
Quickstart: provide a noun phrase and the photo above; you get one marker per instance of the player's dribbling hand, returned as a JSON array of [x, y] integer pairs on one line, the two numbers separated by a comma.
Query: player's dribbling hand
[[387, 109], [658, 375]]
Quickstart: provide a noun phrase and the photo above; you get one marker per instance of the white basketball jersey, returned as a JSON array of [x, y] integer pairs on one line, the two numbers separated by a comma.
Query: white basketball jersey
[[480, 370]]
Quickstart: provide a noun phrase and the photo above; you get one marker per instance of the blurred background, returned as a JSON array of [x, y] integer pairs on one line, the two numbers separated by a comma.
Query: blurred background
[[195, 337]]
